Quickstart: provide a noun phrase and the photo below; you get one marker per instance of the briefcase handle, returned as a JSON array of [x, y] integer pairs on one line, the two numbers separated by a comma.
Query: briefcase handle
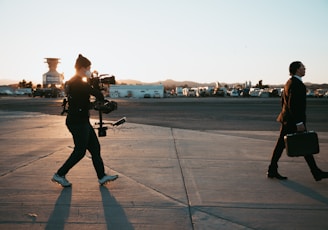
[[299, 133]]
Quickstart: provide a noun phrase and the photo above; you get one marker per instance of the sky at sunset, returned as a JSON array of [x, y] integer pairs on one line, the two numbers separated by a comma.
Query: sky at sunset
[[154, 40]]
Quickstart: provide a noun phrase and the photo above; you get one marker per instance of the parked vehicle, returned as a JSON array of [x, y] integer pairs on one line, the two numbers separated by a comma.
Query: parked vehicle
[[326, 95], [264, 93], [275, 92], [234, 93], [310, 93], [319, 92], [157, 95], [220, 92], [24, 91], [245, 92], [179, 91], [46, 92], [191, 92], [254, 92]]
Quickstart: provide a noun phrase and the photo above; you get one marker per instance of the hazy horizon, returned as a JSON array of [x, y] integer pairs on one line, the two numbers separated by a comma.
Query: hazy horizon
[[151, 40], [134, 81]]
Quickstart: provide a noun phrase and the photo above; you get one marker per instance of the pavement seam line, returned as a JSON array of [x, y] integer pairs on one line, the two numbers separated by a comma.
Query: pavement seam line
[[144, 185], [183, 179], [28, 163], [186, 191]]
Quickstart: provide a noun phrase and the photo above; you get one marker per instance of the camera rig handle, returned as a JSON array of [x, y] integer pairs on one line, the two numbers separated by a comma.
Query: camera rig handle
[[106, 107], [102, 129], [64, 104]]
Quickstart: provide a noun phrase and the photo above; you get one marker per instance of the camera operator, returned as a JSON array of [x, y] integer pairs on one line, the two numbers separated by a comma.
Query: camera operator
[[78, 92]]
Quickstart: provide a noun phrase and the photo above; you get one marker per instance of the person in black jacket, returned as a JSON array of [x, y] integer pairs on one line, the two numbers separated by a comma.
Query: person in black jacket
[[293, 119], [77, 121]]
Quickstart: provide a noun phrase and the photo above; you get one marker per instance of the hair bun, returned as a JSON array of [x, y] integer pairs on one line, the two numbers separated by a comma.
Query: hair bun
[[82, 62]]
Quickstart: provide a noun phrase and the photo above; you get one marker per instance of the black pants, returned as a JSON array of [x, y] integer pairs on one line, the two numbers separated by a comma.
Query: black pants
[[84, 138], [280, 146]]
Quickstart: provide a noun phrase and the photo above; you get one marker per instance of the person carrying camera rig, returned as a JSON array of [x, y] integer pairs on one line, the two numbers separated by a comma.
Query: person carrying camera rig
[[77, 121]]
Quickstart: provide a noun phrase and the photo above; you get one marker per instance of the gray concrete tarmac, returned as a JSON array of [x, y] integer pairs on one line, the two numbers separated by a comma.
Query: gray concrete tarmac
[[169, 177], [215, 113]]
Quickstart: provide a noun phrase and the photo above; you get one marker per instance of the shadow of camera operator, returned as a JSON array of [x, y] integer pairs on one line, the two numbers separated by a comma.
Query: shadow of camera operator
[[114, 214], [61, 210], [305, 191]]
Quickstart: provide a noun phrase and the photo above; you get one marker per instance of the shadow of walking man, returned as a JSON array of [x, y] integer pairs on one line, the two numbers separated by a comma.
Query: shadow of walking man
[[61, 210], [114, 213], [305, 191]]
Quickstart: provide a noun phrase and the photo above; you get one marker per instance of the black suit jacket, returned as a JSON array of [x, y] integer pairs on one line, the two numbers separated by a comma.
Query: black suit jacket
[[293, 103]]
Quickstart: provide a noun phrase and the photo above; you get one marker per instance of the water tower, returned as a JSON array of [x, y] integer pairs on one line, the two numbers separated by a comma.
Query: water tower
[[52, 77]]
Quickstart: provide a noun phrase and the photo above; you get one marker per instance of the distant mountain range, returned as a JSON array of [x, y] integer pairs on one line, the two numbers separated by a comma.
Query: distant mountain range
[[7, 82], [168, 82]]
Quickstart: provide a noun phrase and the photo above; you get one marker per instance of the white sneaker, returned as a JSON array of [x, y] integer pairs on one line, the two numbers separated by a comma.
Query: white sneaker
[[61, 180], [106, 179]]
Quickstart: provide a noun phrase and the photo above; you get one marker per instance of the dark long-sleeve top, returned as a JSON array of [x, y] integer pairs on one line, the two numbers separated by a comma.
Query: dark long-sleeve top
[[78, 93]]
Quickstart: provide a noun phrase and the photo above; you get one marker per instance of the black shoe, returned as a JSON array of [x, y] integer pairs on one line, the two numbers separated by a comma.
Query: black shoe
[[319, 175], [276, 175]]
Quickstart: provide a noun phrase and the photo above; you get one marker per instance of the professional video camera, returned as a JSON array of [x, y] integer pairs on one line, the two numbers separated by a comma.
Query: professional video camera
[[105, 106], [98, 81]]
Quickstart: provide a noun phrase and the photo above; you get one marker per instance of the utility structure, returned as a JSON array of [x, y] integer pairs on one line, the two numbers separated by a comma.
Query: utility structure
[[52, 78], [52, 81]]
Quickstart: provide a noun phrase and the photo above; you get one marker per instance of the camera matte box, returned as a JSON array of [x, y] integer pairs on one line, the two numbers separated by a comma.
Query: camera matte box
[[301, 144]]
